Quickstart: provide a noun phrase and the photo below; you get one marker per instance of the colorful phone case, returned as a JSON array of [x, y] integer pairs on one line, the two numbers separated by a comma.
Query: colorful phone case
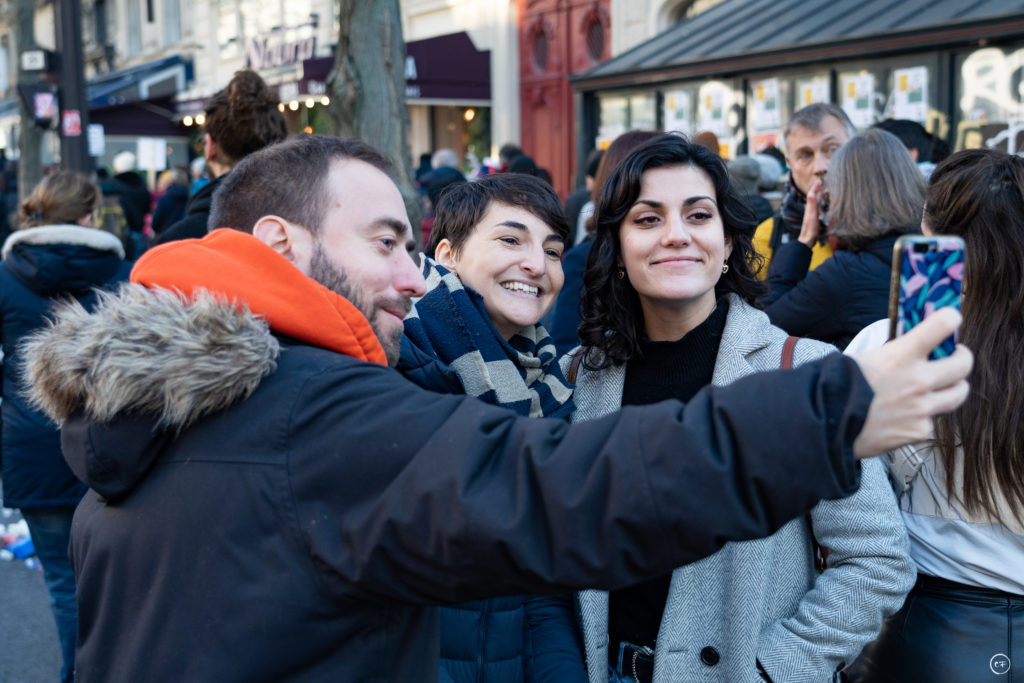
[[931, 276]]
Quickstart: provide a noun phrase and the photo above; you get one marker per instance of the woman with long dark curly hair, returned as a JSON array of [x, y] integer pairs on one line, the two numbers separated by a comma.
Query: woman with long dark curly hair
[[962, 494], [668, 307]]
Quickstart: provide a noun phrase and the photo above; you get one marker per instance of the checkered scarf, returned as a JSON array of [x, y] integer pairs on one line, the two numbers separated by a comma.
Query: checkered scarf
[[451, 323], [794, 203]]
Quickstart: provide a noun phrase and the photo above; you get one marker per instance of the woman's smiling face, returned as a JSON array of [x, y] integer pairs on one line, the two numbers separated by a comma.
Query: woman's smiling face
[[673, 243], [513, 259]]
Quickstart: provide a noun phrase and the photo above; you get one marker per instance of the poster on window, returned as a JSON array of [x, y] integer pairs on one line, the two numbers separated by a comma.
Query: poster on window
[[910, 94], [810, 92], [767, 113], [677, 111], [151, 154], [712, 113], [858, 92]]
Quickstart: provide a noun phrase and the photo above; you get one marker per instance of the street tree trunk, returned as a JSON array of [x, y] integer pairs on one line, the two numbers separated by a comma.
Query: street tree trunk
[[367, 87], [30, 136]]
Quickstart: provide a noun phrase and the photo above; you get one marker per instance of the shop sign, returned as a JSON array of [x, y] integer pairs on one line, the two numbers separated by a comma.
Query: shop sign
[[272, 50]]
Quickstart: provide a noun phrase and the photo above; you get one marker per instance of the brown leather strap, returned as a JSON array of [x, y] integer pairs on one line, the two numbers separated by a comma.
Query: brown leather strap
[[819, 553], [574, 365], [787, 353]]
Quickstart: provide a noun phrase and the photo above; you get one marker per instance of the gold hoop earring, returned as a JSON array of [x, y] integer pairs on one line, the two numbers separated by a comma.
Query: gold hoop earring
[[725, 269], [621, 273]]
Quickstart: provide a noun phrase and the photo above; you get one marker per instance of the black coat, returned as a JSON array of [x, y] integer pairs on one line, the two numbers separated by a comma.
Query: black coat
[[134, 197], [197, 215], [306, 532], [36, 271], [331, 509], [837, 299], [170, 208], [563, 322]]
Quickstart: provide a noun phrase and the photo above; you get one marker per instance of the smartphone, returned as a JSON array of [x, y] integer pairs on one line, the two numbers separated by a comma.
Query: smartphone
[[927, 274]]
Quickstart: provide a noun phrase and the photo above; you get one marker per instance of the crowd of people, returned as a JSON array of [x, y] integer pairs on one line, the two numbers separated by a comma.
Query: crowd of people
[[311, 457]]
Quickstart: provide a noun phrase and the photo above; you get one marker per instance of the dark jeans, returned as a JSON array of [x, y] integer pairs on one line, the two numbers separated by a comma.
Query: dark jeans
[[51, 534], [948, 633]]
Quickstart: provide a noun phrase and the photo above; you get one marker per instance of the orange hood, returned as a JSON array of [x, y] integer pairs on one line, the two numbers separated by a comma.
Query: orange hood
[[241, 268]]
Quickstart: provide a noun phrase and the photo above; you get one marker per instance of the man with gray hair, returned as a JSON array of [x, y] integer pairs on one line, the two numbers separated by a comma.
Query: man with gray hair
[[444, 158], [810, 138]]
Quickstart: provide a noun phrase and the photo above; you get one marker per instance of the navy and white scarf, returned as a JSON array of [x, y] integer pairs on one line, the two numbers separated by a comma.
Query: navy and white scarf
[[451, 323]]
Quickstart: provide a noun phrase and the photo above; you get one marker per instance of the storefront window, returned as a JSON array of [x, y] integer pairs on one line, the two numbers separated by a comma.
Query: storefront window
[[719, 111], [678, 104], [621, 113], [991, 106], [643, 112], [859, 99], [613, 119]]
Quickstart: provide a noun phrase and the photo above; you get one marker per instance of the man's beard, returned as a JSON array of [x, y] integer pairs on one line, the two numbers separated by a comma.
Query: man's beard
[[323, 270]]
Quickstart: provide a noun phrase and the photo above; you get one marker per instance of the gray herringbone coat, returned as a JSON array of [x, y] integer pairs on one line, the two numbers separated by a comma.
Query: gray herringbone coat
[[763, 600]]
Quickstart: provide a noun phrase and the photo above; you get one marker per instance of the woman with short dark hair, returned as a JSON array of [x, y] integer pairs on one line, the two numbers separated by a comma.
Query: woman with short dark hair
[[493, 271], [668, 308]]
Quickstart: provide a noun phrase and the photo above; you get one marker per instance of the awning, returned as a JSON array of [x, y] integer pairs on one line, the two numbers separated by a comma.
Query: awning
[[153, 118], [157, 79], [748, 35], [447, 68]]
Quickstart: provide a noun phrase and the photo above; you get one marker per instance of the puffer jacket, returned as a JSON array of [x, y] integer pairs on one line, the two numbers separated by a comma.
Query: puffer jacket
[[837, 299], [40, 265], [270, 502]]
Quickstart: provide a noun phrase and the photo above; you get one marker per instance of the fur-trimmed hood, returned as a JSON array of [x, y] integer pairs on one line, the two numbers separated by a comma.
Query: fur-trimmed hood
[[148, 351], [150, 360], [93, 238], [53, 260]]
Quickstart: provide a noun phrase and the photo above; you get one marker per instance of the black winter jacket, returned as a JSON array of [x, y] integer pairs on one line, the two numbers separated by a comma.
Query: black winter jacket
[[170, 208], [197, 215], [41, 265], [134, 197], [837, 299], [307, 532]]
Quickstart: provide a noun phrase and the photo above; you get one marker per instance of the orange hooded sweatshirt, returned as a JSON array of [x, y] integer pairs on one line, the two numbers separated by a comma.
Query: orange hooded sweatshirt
[[243, 269]]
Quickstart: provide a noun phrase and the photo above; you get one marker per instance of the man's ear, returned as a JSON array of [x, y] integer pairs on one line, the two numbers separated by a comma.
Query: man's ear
[[292, 241], [445, 255]]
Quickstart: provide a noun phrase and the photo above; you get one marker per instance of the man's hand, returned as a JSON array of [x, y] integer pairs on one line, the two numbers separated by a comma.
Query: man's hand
[[810, 229], [910, 389]]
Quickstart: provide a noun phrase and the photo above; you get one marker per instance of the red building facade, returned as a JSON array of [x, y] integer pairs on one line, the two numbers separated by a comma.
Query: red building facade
[[557, 38]]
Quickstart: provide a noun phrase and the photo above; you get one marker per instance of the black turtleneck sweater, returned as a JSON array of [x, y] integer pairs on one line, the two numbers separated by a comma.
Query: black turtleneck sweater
[[675, 369]]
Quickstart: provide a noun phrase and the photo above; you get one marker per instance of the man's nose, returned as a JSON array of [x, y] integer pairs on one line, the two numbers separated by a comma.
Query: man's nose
[[408, 279], [820, 164]]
